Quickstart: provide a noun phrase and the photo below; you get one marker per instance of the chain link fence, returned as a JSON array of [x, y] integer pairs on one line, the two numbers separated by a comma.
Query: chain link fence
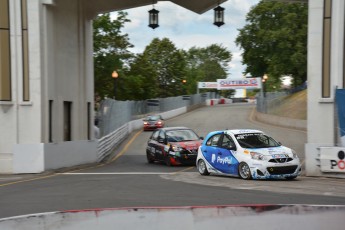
[[113, 114], [268, 102]]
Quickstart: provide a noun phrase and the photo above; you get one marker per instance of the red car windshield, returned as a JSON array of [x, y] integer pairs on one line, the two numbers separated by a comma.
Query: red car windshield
[[153, 118], [181, 135]]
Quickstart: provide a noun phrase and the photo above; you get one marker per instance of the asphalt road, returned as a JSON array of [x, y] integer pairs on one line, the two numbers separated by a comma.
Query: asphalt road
[[127, 180]]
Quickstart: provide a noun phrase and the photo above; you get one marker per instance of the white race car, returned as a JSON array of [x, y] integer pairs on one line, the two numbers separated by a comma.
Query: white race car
[[246, 153]]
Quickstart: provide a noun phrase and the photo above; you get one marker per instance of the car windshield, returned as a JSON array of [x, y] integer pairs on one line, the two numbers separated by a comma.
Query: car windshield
[[181, 135], [255, 140], [152, 118]]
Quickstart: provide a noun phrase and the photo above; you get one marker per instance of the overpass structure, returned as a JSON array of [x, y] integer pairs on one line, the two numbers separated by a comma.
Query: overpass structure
[[46, 80]]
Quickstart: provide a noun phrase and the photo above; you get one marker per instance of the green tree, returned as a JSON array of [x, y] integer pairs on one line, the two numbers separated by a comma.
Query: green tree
[[274, 41], [168, 66], [110, 52], [206, 64], [141, 81]]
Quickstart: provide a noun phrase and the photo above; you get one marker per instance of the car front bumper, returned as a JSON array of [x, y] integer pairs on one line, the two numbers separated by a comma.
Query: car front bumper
[[182, 158], [267, 170]]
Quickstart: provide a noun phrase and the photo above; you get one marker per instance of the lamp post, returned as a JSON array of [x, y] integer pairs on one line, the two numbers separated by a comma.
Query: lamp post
[[184, 81], [264, 79], [115, 75]]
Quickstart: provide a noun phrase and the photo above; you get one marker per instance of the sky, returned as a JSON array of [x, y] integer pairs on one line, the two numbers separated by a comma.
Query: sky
[[187, 29]]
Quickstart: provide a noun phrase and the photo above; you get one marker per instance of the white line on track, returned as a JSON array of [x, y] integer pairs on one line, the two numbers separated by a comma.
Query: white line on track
[[120, 173]]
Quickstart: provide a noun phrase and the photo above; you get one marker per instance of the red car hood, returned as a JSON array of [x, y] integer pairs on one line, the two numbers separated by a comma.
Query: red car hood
[[189, 145]]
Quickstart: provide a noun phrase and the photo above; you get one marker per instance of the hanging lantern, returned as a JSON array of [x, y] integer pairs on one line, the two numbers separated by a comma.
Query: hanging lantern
[[153, 18], [218, 16]]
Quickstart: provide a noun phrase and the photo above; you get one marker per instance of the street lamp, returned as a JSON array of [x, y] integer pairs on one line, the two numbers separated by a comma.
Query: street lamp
[[115, 75], [264, 79], [184, 81]]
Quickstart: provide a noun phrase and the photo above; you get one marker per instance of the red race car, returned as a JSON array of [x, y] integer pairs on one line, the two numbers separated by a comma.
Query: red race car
[[153, 122], [173, 146]]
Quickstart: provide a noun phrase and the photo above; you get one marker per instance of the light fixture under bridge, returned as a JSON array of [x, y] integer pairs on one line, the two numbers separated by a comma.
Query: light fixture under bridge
[[153, 18], [219, 16]]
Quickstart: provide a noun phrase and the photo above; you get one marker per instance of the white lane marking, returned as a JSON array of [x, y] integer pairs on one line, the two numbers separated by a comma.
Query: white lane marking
[[121, 173]]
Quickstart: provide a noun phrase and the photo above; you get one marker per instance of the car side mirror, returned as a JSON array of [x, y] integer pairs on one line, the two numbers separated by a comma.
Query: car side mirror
[[232, 148], [201, 138], [161, 140]]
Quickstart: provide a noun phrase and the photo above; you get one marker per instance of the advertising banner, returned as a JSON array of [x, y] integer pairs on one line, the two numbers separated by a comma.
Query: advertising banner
[[207, 85], [239, 83], [340, 100], [332, 159]]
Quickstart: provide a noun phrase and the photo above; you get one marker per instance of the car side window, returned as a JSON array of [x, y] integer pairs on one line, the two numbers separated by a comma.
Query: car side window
[[213, 141], [227, 142], [161, 135], [155, 136]]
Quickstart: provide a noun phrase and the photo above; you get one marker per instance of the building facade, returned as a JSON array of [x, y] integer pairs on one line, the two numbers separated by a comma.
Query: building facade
[[326, 73]]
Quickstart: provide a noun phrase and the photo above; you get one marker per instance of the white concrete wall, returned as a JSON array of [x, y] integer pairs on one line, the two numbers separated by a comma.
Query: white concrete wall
[[60, 69], [38, 158], [268, 217], [68, 76], [321, 126], [15, 114], [281, 121], [174, 113]]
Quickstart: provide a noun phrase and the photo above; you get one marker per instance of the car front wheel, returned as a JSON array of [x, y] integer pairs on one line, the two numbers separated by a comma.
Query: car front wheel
[[244, 171], [149, 157], [202, 168], [168, 161]]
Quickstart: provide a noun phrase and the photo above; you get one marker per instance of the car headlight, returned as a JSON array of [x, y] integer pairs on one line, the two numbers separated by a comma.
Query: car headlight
[[257, 156], [294, 154], [176, 148]]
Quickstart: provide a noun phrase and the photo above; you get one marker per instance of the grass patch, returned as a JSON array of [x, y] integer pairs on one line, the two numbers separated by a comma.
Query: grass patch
[[292, 106]]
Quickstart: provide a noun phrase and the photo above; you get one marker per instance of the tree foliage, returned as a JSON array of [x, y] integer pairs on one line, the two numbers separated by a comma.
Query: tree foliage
[[207, 64], [142, 82], [274, 41], [110, 51], [169, 67]]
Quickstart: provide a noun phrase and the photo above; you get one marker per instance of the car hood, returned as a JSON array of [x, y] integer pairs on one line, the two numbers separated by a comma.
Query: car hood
[[273, 151], [189, 145]]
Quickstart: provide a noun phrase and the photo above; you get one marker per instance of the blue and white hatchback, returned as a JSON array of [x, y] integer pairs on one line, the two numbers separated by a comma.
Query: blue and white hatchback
[[246, 153]]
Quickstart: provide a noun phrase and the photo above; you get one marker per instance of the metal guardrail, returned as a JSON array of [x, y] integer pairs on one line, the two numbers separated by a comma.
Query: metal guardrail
[[109, 142]]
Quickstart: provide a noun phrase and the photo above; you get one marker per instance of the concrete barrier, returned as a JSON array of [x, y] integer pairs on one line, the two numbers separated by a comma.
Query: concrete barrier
[[211, 102], [281, 121], [267, 217]]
